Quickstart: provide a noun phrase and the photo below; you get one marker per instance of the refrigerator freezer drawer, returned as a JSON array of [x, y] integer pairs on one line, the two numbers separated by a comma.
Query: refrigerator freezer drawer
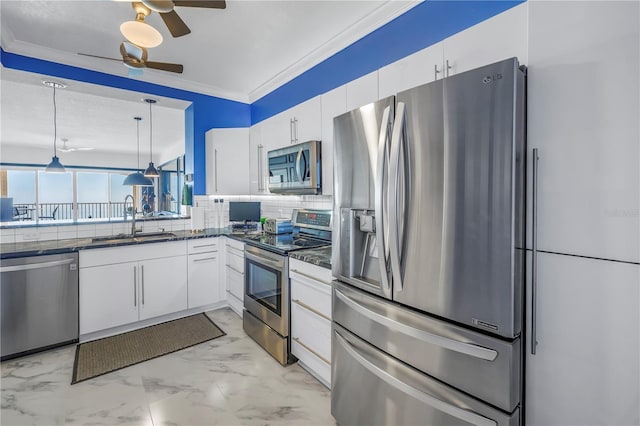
[[483, 366], [370, 387]]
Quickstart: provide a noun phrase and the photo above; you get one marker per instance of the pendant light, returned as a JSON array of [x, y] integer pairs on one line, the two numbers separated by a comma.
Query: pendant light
[[54, 165], [136, 178], [151, 170]]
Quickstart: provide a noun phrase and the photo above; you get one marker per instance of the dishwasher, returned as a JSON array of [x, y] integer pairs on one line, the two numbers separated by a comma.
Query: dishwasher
[[39, 300]]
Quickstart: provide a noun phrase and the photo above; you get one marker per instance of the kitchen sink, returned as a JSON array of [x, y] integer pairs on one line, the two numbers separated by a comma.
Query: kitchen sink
[[142, 236]]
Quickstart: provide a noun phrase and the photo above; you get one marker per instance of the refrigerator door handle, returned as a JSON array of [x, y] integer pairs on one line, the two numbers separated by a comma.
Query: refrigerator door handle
[[394, 165], [459, 413], [470, 349], [534, 253], [382, 224]]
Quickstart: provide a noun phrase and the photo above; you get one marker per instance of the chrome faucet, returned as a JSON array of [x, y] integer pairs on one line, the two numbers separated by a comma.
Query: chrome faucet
[[133, 214]]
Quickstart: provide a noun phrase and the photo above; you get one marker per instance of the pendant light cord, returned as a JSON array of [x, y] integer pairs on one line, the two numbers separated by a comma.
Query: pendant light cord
[[138, 137], [150, 134], [55, 127]]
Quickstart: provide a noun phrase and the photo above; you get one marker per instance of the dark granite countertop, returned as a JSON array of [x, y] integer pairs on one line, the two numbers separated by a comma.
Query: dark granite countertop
[[35, 248], [318, 256]]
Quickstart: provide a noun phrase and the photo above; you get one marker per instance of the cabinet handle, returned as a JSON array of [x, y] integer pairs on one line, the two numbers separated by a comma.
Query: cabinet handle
[[311, 350], [311, 277], [135, 286], [448, 69], [204, 258], [534, 253], [290, 131], [205, 245], [436, 72], [310, 309], [295, 129], [235, 270], [215, 166], [142, 271]]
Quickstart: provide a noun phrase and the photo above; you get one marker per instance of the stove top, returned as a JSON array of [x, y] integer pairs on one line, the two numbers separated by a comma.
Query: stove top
[[284, 243]]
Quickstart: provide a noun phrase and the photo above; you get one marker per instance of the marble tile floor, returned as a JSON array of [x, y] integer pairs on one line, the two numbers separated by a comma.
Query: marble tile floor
[[226, 381]]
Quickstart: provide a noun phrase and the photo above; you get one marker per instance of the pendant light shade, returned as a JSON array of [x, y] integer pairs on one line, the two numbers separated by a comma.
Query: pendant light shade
[[136, 178], [54, 165], [151, 171]]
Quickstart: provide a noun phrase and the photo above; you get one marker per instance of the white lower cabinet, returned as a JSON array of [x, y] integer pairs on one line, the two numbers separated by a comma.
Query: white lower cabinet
[[311, 318], [234, 272], [115, 292], [586, 370], [204, 285]]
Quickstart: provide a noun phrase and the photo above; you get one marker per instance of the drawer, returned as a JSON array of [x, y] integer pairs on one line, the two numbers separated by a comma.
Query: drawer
[[312, 331], [315, 272], [312, 363], [235, 244], [202, 245], [131, 253], [234, 303], [235, 283], [235, 262], [314, 295]]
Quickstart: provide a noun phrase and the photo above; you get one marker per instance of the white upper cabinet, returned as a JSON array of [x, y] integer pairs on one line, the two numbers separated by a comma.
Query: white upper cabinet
[[333, 103], [414, 70], [500, 37], [362, 91], [583, 109], [307, 120], [228, 161], [586, 367]]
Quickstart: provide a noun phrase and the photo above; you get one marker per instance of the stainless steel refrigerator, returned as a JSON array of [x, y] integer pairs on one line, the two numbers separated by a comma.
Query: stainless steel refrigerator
[[428, 254]]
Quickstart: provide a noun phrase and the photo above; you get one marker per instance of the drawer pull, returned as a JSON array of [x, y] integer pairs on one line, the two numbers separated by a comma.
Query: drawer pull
[[312, 351], [309, 308], [205, 245], [311, 277], [235, 270], [204, 258]]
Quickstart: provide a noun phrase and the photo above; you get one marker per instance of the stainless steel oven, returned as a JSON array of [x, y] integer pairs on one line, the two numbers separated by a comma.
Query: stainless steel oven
[[267, 288], [296, 169], [266, 280]]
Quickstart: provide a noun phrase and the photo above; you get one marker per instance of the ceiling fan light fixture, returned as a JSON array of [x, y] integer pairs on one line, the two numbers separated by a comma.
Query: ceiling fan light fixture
[[140, 33], [161, 6]]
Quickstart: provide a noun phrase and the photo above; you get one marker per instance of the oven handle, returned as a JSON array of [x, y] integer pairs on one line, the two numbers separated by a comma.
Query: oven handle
[[264, 260], [300, 178]]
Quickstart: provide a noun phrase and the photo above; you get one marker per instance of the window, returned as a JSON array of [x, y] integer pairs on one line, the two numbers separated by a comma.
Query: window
[[43, 197]]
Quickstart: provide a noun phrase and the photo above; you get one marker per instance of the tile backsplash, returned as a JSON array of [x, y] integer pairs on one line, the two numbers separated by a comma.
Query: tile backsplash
[[271, 206]]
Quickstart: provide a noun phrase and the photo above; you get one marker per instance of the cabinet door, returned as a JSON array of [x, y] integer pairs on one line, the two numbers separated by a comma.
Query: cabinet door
[[108, 296], [586, 368], [500, 37], [257, 161], [583, 109], [228, 161], [414, 70], [204, 286], [362, 91], [334, 103], [163, 286], [308, 122]]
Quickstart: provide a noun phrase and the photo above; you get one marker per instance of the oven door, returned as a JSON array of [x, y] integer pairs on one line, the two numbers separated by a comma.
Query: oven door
[[266, 288]]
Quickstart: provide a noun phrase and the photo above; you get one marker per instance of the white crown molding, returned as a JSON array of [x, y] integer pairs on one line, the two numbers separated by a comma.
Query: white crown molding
[[114, 68], [380, 16]]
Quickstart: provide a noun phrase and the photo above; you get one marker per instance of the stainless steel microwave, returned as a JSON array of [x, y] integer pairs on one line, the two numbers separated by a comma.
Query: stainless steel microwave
[[296, 169]]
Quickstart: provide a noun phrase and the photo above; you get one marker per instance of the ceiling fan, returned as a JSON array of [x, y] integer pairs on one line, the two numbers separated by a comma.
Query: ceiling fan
[[135, 58], [66, 148], [172, 20]]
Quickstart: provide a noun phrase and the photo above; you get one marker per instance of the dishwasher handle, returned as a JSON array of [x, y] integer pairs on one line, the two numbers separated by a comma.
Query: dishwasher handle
[[40, 265]]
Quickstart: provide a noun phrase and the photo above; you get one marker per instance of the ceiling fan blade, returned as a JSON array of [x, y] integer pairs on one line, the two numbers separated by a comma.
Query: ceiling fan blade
[[176, 25], [163, 66], [212, 4], [101, 57]]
